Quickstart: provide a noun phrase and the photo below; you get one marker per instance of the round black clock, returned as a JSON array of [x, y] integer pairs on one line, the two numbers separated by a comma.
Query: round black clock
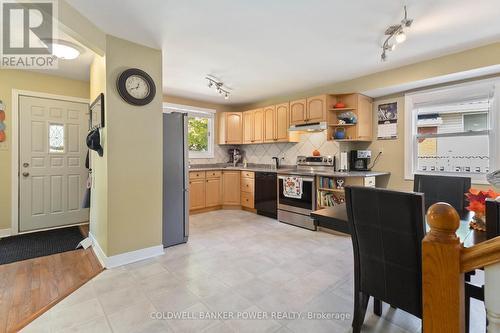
[[136, 87]]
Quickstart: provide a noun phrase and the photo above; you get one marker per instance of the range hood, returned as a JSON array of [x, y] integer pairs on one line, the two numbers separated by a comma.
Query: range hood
[[310, 127]]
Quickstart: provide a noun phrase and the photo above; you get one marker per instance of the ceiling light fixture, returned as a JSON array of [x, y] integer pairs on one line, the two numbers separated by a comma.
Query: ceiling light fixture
[[219, 86], [396, 32], [63, 49]]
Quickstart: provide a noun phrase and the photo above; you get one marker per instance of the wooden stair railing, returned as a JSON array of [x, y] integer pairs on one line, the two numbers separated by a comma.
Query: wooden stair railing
[[444, 262]]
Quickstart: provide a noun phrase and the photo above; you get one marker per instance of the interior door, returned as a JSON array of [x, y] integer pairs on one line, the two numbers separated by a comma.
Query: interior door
[[51, 163]]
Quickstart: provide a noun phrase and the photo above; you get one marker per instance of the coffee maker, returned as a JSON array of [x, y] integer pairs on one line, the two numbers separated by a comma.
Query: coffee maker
[[359, 160], [234, 155]]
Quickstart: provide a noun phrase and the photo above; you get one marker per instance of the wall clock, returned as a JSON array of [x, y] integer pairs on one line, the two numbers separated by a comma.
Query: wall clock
[[136, 87]]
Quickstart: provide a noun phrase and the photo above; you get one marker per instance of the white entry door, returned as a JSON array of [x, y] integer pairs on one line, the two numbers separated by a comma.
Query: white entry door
[[52, 173]]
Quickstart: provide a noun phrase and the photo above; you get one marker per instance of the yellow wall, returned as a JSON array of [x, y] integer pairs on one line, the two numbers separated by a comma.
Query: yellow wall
[[99, 197], [24, 80], [134, 152]]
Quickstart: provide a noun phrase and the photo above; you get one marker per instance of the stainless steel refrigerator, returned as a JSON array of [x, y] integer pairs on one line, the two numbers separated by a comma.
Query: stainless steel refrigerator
[[175, 179]]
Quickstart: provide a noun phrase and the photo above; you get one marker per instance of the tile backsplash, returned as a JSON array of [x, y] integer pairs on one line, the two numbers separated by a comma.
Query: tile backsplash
[[262, 153]]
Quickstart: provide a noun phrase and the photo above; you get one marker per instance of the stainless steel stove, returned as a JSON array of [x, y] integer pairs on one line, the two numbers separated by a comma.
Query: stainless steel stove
[[294, 210]]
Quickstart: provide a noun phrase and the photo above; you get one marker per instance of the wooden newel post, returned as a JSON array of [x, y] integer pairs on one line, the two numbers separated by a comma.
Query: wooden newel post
[[442, 280]]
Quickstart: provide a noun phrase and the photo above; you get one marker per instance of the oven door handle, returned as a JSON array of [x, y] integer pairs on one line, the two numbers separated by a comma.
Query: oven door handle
[[305, 179]]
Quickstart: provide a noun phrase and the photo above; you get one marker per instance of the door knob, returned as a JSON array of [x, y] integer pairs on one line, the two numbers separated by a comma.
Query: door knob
[[26, 174], [25, 164]]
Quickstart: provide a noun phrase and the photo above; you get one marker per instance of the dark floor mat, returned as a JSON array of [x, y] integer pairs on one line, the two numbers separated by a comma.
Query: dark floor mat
[[38, 244]]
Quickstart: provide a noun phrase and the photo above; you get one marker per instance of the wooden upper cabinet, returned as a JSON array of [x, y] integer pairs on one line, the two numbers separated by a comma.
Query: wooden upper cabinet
[[298, 112], [316, 109], [248, 126], [258, 128], [282, 122], [231, 128], [269, 120], [253, 126]]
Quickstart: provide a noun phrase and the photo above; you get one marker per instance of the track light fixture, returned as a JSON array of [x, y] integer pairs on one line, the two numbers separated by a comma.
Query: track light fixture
[[219, 86], [396, 35]]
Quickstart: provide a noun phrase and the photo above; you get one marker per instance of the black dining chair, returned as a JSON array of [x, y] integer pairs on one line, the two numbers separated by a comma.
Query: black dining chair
[[387, 228], [492, 218], [449, 189]]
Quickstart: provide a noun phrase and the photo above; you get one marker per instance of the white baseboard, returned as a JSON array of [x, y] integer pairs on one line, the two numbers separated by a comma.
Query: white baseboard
[[5, 232], [124, 258]]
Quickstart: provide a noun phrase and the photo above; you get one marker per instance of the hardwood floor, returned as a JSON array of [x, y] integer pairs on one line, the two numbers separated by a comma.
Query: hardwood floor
[[29, 288]]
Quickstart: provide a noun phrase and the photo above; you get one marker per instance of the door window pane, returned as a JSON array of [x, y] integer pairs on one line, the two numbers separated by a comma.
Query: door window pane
[[56, 138]]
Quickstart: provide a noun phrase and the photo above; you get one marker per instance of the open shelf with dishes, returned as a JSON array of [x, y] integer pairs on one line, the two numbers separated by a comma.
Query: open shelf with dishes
[[330, 191], [352, 120]]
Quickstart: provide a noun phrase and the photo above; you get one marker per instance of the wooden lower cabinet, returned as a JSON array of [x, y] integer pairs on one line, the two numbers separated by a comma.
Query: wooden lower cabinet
[[213, 192], [247, 200], [197, 193], [231, 188], [247, 189]]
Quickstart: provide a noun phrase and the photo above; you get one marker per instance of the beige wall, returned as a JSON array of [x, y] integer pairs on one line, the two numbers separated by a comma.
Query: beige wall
[[134, 153], [99, 197], [24, 80]]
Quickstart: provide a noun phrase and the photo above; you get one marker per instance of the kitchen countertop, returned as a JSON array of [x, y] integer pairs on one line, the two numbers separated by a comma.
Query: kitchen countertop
[[287, 170], [254, 168], [333, 173]]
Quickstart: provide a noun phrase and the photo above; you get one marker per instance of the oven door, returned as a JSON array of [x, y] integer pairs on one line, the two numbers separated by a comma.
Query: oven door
[[305, 204]]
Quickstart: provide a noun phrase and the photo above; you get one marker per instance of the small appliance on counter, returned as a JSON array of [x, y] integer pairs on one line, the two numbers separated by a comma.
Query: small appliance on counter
[[343, 165], [359, 160], [234, 155]]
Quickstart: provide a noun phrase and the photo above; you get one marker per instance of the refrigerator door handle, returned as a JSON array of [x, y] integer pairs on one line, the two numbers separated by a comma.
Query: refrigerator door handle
[[186, 177]]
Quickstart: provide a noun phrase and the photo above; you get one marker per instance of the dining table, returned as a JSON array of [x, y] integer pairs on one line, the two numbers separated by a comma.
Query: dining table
[[335, 218]]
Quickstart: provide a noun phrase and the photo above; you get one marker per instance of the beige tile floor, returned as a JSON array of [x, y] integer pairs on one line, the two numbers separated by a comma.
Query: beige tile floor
[[235, 262]]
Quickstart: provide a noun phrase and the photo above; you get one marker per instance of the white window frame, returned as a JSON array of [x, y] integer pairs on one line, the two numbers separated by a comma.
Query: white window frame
[[197, 112], [410, 166]]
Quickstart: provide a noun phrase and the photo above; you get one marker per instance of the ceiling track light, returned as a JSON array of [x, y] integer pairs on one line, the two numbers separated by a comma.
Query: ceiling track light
[[396, 35], [219, 86]]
